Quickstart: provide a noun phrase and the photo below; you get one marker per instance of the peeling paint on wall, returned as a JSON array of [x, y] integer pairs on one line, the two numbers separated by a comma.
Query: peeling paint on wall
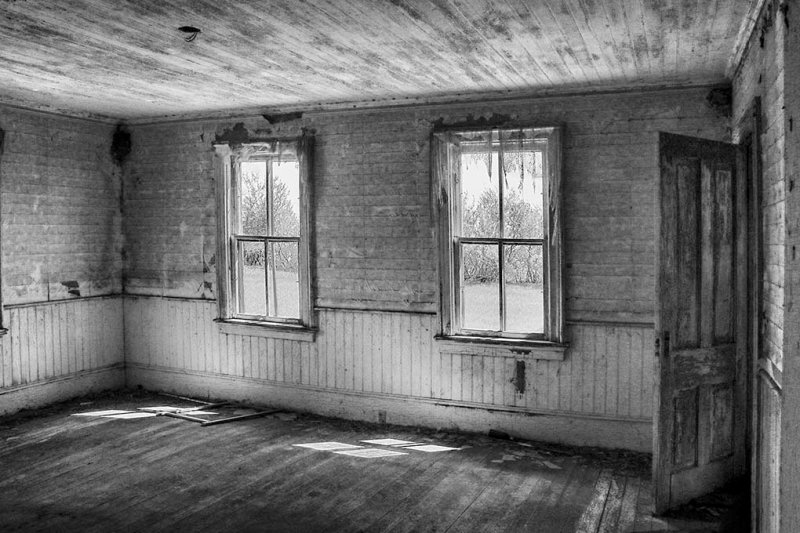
[[120, 144], [73, 287], [236, 135], [282, 117], [490, 120]]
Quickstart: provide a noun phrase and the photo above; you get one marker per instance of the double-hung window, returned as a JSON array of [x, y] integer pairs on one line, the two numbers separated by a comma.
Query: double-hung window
[[500, 233], [264, 227]]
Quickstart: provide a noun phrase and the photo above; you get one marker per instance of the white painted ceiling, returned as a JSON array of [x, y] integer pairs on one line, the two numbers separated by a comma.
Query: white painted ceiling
[[127, 60]]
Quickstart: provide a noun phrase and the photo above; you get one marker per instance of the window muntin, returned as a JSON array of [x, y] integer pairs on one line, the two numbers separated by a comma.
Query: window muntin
[[264, 230], [499, 233], [267, 239], [498, 239]]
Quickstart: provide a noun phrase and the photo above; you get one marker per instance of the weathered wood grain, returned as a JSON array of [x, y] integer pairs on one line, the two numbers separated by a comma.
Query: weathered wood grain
[[161, 474], [697, 369], [130, 61], [606, 372]]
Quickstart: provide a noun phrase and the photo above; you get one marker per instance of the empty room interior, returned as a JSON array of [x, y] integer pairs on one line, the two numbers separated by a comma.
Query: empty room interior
[[418, 265]]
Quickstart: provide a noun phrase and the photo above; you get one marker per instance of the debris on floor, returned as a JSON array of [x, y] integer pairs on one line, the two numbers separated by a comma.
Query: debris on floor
[[191, 414]]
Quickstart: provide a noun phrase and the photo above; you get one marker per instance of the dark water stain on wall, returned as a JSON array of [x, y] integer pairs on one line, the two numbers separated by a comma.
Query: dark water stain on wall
[[121, 144]]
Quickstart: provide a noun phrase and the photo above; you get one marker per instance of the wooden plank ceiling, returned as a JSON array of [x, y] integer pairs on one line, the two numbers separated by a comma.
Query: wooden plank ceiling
[[126, 59]]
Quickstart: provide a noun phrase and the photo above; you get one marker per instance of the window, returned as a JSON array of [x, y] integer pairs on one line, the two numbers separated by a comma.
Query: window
[[263, 229], [3, 329], [499, 233]]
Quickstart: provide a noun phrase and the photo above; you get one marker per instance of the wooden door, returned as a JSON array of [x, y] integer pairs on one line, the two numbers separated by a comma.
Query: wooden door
[[696, 442]]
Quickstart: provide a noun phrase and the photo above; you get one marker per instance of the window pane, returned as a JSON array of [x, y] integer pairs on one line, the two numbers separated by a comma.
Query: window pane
[[522, 196], [284, 287], [253, 198], [523, 273], [286, 198], [252, 278], [480, 294], [480, 196]]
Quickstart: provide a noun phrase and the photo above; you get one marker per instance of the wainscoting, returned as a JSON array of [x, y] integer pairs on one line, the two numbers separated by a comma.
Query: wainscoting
[[387, 366], [56, 350]]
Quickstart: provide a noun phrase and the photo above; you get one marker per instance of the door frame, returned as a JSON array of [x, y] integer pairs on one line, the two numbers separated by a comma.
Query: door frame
[[761, 371], [749, 133]]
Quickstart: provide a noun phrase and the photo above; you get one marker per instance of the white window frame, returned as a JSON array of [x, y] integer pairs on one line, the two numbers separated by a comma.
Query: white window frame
[[228, 159], [445, 160]]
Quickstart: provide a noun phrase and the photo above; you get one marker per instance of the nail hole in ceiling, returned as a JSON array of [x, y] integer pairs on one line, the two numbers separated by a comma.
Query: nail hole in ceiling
[[190, 31]]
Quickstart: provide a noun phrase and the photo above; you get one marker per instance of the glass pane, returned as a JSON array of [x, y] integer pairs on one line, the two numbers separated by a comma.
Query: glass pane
[[524, 275], [480, 195], [252, 278], [253, 198], [480, 294], [523, 202], [284, 286], [286, 198]]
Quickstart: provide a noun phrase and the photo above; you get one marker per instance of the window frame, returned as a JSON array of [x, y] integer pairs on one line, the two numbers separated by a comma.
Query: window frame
[[446, 151], [3, 325], [228, 159]]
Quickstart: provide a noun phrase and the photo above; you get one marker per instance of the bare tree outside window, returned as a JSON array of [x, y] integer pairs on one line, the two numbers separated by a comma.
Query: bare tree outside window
[[269, 212], [501, 259]]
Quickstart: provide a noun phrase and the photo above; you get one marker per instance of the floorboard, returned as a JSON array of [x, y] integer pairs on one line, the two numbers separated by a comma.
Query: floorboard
[[71, 473]]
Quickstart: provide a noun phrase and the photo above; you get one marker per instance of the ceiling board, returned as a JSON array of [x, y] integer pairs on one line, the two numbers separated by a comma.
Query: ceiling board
[[126, 59]]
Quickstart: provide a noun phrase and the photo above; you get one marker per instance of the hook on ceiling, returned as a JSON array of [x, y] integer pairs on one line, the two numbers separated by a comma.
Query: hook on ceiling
[[190, 33]]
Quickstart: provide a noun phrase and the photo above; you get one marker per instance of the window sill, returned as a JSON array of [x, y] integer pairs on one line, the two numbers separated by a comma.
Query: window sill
[[288, 332], [517, 348]]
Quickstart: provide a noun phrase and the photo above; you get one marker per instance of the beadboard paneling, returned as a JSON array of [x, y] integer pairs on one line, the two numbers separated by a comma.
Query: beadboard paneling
[[58, 340], [607, 371]]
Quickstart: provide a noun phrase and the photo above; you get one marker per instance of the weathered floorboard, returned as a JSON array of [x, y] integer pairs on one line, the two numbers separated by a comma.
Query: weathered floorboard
[[162, 474]]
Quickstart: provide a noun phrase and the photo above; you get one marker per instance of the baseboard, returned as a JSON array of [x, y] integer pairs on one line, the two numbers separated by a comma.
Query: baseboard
[[41, 393], [572, 429]]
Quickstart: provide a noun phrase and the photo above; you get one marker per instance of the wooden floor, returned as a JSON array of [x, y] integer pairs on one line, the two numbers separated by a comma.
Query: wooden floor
[[60, 472]]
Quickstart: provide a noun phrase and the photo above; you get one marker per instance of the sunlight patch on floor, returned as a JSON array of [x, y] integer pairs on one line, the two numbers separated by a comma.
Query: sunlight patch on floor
[[370, 453], [328, 446], [390, 442]]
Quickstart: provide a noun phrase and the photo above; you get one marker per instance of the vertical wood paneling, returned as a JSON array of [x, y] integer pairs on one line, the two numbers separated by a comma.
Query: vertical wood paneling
[[612, 347], [362, 353], [606, 372], [417, 349], [376, 352], [25, 352], [58, 339], [60, 335], [446, 375]]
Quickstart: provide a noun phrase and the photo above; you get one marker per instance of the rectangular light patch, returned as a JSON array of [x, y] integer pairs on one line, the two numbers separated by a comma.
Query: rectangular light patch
[[328, 446], [390, 442], [169, 409], [163, 409], [370, 453], [430, 448], [102, 413], [128, 416]]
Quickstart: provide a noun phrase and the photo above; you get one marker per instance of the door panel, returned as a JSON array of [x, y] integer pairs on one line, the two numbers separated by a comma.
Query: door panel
[[695, 319]]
